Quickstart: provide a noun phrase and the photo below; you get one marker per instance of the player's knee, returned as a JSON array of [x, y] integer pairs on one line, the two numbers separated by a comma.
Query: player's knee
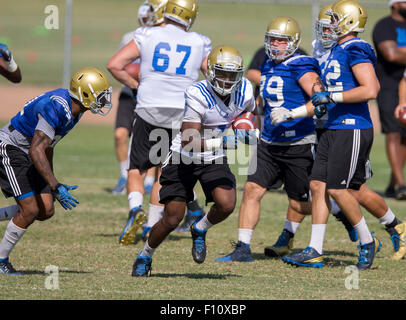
[[317, 186], [171, 221], [253, 191], [226, 207], [46, 213]]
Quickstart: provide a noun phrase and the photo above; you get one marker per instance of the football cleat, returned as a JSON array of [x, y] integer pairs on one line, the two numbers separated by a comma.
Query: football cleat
[[120, 187], [352, 233], [367, 253], [282, 246], [191, 217], [199, 243], [309, 257], [142, 266], [136, 217], [241, 253], [145, 233], [7, 268], [400, 193], [398, 236]]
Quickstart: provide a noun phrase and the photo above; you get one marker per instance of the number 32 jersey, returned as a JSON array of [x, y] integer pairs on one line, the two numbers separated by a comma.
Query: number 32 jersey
[[171, 59]]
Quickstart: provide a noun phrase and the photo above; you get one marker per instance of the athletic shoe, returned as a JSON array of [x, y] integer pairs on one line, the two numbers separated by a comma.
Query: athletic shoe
[[136, 217], [7, 268], [120, 187], [367, 253], [199, 243], [191, 217], [142, 266], [145, 233], [398, 236], [390, 192], [400, 193], [309, 257], [282, 246], [352, 233], [241, 253]]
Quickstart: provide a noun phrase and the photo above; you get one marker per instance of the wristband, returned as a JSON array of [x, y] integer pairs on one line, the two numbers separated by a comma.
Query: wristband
[[299, 112], [11, 65], [212, 144], [337, 97], [56, 187]]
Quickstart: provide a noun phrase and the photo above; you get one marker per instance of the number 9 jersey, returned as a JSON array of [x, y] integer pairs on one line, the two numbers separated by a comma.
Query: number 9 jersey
[[171, 59]]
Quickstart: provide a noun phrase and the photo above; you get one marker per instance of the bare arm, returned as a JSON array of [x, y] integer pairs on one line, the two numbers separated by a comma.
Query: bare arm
[[117, 63], [391, 52], [41, 154], [402, 97], [254, 76], [310, 82], [14, 77], [203, 67], [191, 138]]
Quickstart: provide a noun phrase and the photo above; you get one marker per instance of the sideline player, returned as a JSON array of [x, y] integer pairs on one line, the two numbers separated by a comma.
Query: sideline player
[[150, 13], [284, 153], [27, 143], [342, 158], [8, 67], [197, 154], [171, 58]]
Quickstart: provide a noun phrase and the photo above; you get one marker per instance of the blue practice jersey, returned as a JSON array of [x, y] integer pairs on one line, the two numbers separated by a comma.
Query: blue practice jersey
[[280, 88], [337, 76], [54, 106]]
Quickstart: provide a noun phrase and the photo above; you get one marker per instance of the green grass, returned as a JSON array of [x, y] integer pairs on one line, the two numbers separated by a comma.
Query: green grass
[[83, 245], [99, 24]]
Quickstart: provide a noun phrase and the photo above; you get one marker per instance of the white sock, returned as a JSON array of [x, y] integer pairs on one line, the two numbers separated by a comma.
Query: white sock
[[11, 236], [135, 199], [147, 251], [124, 169], [317, 238], [8, 213], [363, 232], [291, 226], [245, 235], [155, 214], [149, 180], [204, 224], [334, 207], [387, 218]]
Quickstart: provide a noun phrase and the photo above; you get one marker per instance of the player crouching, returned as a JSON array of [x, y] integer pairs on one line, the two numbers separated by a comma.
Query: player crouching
[[197, 154]]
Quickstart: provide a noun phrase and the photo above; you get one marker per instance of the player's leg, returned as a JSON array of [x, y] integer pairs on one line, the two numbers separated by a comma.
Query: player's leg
[[150, 179]]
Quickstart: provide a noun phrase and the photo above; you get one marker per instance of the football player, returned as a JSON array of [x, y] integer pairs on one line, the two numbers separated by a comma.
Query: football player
[[27, 143], [197, 153], [8, 67], [285, 151], [342, 158], [170, 61]]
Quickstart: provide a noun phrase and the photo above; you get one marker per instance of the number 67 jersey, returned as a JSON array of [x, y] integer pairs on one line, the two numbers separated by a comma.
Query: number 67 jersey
[[171, 59]]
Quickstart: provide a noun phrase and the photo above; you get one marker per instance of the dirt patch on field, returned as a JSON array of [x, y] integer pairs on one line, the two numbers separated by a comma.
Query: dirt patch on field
[[13, 98]]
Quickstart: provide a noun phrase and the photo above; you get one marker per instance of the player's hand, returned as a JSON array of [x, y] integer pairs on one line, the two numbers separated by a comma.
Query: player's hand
[[320, 111], [5, 52], [398, 110], [246, 136], [279, 115], [230, 142], [321, 98], [62, 194]]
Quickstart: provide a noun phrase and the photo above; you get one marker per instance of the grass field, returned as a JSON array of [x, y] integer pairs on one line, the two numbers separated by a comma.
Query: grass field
[[83, 245]]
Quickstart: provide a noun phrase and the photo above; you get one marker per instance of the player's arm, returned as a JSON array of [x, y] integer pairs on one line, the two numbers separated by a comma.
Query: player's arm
[[254, 76], [402, 97], [122, 58], [8, 67], [391, 52], [203, 67]]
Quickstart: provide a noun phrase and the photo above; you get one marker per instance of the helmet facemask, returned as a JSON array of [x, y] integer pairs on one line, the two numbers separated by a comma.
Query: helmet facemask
[[277, 52], [146, 15], [225, 79], [102, 104], [324, 33]]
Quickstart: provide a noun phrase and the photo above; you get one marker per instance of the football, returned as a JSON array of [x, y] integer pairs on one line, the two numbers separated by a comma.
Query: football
[[402, 118], [245, 121], [133, 69]]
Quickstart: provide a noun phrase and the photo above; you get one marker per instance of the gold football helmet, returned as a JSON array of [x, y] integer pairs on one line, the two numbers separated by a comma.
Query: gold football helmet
[[347, 16], [182, 11], [282, 28], [323, 27], [151, 12], [225, 69], [91, 88]]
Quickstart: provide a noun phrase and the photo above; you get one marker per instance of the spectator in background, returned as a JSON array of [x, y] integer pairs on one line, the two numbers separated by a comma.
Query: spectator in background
[[8, 67], [389, 37]]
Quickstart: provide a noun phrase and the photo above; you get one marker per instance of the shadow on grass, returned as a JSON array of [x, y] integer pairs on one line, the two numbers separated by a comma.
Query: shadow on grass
[[195, 275]]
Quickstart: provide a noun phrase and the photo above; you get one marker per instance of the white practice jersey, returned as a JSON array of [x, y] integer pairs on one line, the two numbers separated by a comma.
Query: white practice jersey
[[170, 61], [320, 54], [204, 106]]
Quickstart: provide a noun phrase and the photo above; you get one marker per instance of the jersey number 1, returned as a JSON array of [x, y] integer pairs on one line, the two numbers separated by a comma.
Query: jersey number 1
[[160, 61]]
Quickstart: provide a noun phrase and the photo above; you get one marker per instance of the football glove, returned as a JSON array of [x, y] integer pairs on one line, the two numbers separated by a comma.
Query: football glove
[[246, 136], [320, 111], [279, 115], [321, 98], [230, 142], [5, 52], [61, 193]]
